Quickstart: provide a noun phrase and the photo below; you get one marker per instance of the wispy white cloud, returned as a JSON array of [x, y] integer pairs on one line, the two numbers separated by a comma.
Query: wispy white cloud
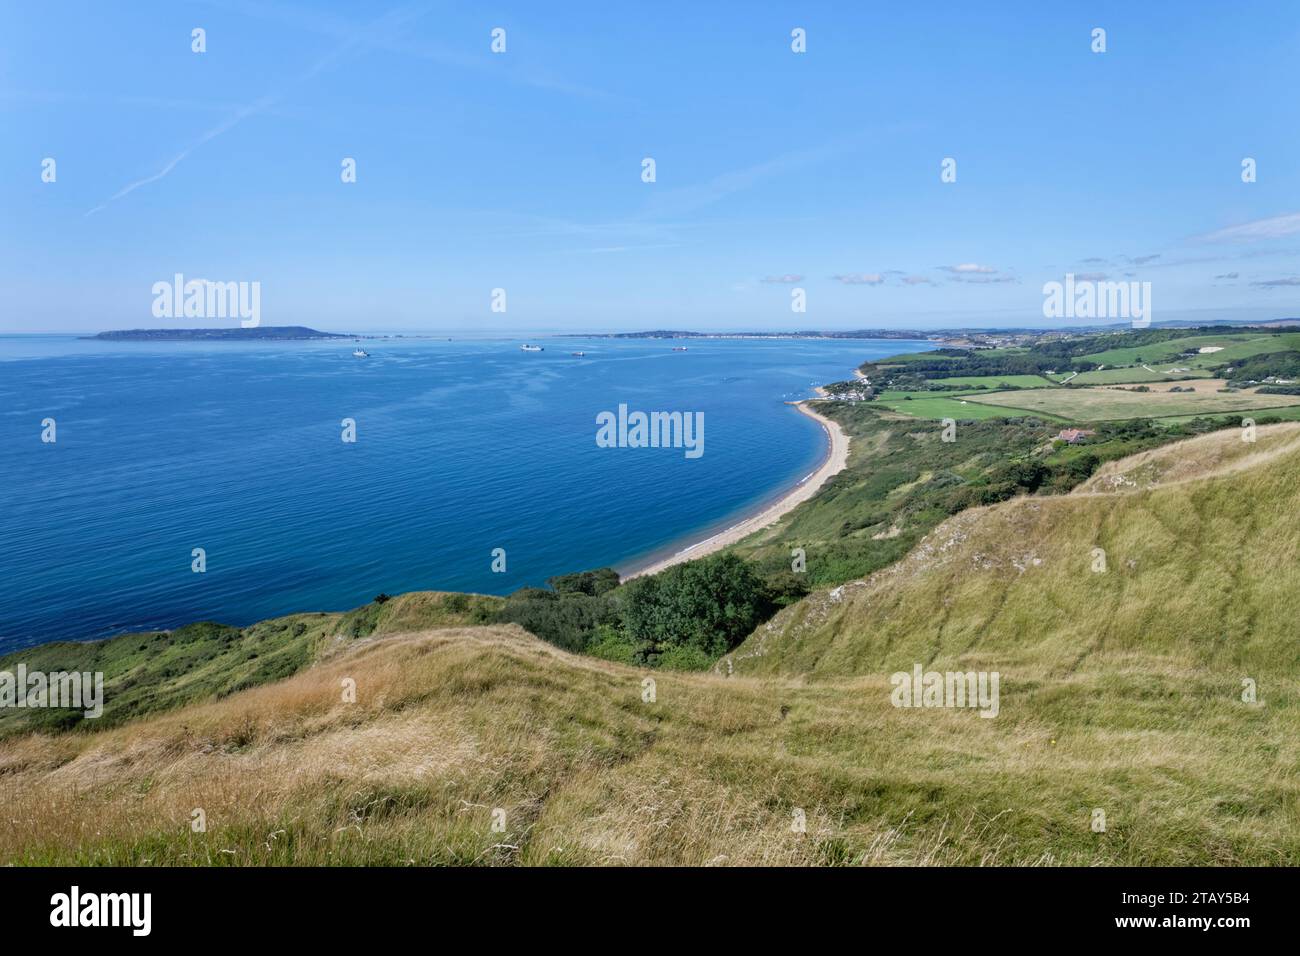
[[1258, 230], [860, 278], [975, 273]]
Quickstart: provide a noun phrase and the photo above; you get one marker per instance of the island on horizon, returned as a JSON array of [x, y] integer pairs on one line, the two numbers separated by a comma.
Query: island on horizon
[[261, 333]]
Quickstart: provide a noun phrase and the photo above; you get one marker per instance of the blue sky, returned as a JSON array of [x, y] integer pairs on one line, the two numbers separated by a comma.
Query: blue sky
[[522, 170]]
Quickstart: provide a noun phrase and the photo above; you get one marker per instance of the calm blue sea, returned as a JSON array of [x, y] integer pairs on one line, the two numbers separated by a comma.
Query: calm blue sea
[[462, 447]]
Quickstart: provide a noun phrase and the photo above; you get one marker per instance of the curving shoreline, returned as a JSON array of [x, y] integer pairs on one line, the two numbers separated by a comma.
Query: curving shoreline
[[836, 460]]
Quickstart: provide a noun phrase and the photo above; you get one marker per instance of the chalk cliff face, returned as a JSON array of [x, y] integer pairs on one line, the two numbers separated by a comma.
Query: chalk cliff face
[[1142, 629]]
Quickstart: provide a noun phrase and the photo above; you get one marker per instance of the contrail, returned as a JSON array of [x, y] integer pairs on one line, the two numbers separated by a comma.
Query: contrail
[[243, 113], [395, 16]]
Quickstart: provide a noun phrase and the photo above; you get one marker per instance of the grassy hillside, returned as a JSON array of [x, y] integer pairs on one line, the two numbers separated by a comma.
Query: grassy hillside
[[903, 479], [452, 726], [1120, 692], [160, 670], [1232, 346], [1136, 671], [1200, 557]]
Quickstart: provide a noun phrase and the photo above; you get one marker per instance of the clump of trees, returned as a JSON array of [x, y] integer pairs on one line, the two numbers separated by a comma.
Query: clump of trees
[[1284, 364], [682, 618], [697, 611]]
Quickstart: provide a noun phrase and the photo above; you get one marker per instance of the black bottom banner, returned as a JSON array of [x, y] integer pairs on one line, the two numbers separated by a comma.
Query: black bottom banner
[[337, 905]]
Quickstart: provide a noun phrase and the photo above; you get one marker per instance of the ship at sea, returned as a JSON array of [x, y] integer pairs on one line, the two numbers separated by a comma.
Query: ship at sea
[[578, 354], [679, 348], [531, 348], [360, 353]]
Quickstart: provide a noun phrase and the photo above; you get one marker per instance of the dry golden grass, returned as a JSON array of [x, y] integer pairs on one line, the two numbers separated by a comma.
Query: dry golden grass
[[450, 725], [1215, 455]]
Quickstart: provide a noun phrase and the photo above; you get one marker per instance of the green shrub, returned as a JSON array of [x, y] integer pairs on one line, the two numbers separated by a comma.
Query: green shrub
[[785, 587], [611, 644], [566, 620], [593, 583], [711, 605], [683, 658]]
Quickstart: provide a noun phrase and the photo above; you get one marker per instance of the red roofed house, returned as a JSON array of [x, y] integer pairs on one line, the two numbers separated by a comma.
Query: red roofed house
[[1073, 436]]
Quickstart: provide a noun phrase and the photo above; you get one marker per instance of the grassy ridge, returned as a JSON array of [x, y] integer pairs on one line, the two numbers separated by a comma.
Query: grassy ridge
[[1234, 346], [451, 726], [1199, 572], [161, 670], [903, 479]]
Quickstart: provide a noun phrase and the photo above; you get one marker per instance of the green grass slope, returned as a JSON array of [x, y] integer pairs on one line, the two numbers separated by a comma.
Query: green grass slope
[[485, 746], [1232, 346], [902, 479], [1201, 573], [147, 673]]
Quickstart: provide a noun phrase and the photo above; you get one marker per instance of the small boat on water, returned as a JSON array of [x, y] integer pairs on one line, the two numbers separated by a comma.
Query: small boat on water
[[578, 354], [360, 353], [531, 348], [679, 348]]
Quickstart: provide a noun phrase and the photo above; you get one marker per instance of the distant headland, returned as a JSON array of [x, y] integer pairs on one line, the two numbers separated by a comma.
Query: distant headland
[[261, 333], [681, 334]]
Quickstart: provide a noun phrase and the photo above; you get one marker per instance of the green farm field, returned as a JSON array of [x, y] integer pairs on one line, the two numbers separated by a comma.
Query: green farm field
[[925, 405], [1132, 375], [1232, 347], [1105, 404], [996, 381]]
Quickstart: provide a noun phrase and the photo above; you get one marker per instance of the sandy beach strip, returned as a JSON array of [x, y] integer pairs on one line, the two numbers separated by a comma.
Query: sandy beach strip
[[837, 458]]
